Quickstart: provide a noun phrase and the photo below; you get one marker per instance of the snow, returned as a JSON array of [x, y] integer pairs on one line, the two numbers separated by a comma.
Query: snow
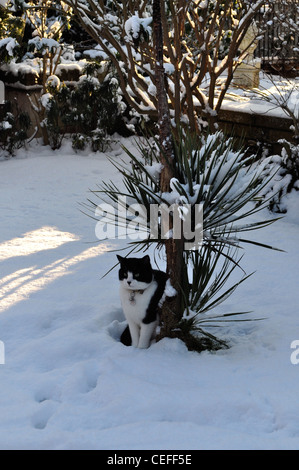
[[134, 24], [6, 125], [45, 98], [53, 81], [34, 66], [273, 92], [96, 53], [67, 381], [203, 4], [9, 44], [168, 68], [44, 43]]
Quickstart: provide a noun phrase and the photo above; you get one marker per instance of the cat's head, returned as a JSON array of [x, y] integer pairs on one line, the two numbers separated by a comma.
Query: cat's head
[[135, 273]]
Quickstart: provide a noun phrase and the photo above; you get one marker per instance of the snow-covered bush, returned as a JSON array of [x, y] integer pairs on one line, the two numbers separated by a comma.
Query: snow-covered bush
[[13, 130], [11, 32], [209, 173], [287, 176], [38, 42], [90, 110], [290, 163], [284, 94], [8, 48], [44, 20]]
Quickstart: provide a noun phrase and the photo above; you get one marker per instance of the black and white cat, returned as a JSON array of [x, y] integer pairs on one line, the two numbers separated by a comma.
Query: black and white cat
[[141, 290]]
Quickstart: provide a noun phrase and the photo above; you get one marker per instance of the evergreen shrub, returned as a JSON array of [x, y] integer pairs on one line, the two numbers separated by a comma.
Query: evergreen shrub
[[287, 176], [91, 111], [13, 130]]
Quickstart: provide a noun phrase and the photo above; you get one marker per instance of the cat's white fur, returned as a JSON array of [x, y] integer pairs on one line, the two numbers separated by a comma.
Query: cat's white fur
[[135, 310]]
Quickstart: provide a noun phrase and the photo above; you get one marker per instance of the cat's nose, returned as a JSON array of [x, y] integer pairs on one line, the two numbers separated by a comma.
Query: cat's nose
[[129, 282]]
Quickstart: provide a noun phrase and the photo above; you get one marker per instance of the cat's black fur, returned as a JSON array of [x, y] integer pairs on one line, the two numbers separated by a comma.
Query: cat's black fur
[[143, 272]]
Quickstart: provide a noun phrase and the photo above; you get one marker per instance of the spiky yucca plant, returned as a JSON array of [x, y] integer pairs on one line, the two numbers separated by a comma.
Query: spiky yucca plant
[[210, 172]]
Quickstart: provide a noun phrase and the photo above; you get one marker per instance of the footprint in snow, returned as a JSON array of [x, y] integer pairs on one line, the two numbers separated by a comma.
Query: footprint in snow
[[41, 417]]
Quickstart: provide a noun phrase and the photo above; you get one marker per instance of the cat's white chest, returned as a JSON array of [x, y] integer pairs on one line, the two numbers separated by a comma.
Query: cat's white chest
[[136, 302]]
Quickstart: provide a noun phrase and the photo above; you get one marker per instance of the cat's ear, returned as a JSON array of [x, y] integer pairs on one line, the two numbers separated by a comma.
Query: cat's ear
[[146, 259], [120, 258]]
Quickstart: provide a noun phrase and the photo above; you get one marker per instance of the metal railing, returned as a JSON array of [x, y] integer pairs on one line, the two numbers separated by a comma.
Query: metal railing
[[279, 46]]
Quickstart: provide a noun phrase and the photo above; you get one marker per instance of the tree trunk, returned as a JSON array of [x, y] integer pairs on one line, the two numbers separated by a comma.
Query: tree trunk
[[172, 309], [165, 133]]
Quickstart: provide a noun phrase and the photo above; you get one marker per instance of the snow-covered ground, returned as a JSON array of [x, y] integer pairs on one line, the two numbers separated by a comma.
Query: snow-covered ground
[[68, 383]]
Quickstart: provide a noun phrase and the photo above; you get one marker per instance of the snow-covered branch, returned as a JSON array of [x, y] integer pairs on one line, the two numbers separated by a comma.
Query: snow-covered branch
[[201, 41]]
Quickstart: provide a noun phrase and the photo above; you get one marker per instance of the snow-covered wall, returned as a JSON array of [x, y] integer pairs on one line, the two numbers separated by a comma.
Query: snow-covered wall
[[256, 127]]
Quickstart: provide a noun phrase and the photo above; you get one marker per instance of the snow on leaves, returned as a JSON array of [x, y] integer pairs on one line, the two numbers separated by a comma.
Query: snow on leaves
[[136, 27]]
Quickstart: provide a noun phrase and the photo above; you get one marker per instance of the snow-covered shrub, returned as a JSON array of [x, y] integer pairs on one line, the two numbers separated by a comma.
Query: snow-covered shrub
[[8, 48], [209, 173], [47, 18], [201, 39], [13, 130], [45, 22], [287, 176], [11, 32], [90, 111], [290, 163], [79, 141]]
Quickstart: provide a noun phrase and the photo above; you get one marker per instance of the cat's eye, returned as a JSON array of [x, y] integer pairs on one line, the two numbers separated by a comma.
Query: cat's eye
[[136, 275], [125, 274]]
